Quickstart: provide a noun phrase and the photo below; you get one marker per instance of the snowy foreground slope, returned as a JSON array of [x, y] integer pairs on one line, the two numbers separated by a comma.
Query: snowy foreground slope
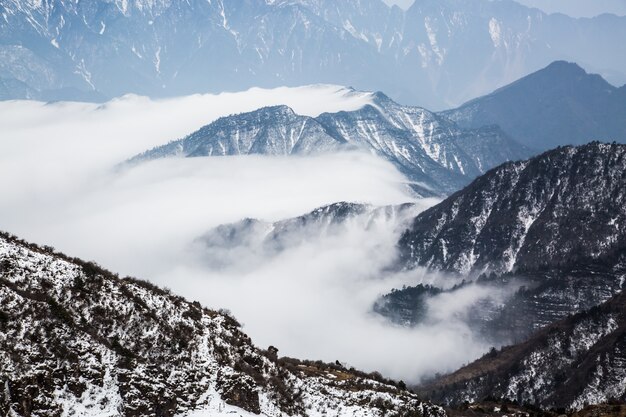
[[77, 340]]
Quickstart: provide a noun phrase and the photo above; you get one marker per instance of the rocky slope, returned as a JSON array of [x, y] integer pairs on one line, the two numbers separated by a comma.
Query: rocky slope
[[558, 105], [552, 227], [437, 53], [434, 153], [570, 364], [77, 340]]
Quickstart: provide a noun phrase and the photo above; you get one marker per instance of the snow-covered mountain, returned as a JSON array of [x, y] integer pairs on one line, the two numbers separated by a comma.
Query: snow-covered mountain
[[566, 204], [434, 153], [437, 53], [78, 340], [558, 105], [570, 364], [553, 224]]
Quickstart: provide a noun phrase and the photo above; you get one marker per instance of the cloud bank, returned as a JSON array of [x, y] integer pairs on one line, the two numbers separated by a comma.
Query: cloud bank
[[59, 187]]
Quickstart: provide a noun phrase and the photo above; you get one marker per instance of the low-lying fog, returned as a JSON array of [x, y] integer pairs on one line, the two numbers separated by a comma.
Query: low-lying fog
[[60, 187]]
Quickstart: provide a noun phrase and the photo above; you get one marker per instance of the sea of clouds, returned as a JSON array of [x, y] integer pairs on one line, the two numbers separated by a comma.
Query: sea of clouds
[[62, 185]]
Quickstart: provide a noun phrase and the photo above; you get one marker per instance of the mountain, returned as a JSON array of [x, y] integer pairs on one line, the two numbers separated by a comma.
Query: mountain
[[435, 154], [268, 131], [256, 240], [564, 205], [77, 340], [551, 227], [578, 361], [558, 105], [438, 53]]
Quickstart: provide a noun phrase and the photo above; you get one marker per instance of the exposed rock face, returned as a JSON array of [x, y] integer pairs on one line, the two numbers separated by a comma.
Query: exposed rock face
[[75, 339]]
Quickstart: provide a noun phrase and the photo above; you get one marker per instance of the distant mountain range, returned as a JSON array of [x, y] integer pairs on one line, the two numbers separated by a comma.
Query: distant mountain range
[[558, 105], [78, 340], [438, 53], [436, 156]]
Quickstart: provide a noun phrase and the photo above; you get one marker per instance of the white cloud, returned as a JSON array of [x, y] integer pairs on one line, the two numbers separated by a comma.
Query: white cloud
[[315, 298]]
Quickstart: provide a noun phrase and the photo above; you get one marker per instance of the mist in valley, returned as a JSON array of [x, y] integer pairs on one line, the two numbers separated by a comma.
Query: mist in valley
[[64, 184]]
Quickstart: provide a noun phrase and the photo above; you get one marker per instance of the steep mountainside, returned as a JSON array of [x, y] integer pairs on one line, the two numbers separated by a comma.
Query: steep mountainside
[[77, 340], [558, 105], [433, 152], [553, 225], [578, 361], [564, 205], [438, 53]]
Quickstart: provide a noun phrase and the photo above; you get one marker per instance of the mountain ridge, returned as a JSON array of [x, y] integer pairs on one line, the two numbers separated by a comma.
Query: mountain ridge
[[436, 155], [546, 177], [118, 47], [559, 105], [569, 364]]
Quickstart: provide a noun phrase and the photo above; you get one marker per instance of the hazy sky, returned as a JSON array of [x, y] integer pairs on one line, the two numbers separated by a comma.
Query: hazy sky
[[577, 8]]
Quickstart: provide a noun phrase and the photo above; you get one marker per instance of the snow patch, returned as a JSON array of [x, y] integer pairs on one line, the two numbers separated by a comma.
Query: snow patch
[[495, 31]]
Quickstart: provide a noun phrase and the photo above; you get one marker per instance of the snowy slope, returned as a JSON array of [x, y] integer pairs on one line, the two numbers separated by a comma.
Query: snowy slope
[[578, 361], [77, 340], [431, 151], [565, 204]]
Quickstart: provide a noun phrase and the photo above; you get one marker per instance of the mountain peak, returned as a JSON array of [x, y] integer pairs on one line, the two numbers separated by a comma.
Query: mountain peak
[[380, 97], [279, 110], [561, 104], [564, 67], [558, 75]]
